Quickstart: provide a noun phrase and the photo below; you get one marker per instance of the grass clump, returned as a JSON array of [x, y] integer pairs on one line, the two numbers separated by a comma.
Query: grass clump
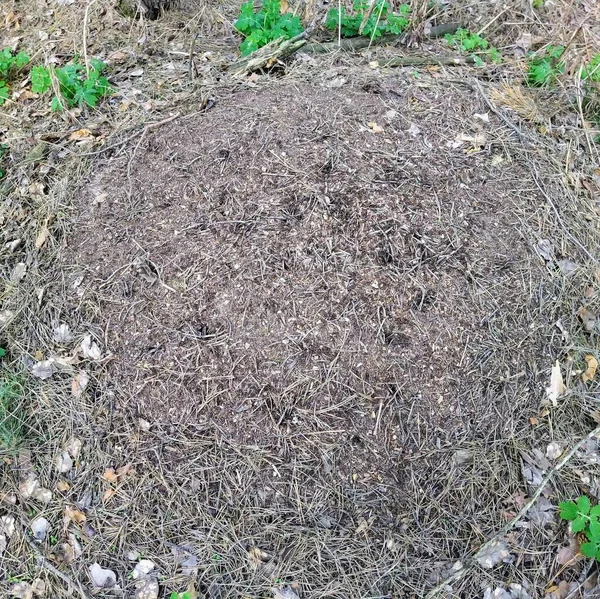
[[381, 20], [267, 24], [12, 418], [475, 45]]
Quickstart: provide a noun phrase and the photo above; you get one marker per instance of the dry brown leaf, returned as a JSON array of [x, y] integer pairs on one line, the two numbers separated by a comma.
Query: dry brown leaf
[[24, 590], [258, 557], [375, 127], [90, 348], [81, 134], [557, 386], [592, 366], [62, 486], [117, 56], [493, 554], [42, 236], [102, 578], [72, 514], [64, 462], [79, 383], [122, 471], [285, 6], [588, 318], [566, 555], [108, 495], [287, 591], [110, 475]]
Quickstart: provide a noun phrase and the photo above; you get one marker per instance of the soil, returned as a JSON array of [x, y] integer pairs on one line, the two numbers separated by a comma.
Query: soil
[[304, 263]]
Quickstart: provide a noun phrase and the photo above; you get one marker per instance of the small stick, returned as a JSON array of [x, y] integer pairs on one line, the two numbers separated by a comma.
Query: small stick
[[85, 28], [358, 43], [462, 571], [407, 61], [490, 23]]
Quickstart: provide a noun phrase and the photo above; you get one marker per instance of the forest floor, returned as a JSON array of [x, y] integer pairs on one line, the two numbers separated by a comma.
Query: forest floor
[[297, 333]]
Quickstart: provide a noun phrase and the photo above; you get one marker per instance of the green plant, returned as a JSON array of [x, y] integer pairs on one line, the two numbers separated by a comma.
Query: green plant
[[76, 84], [11, 414], [584, 518], [472, 43], [265, 25], [9, 63], [380, 21], [591, 71], [543, 69], [186, 595]]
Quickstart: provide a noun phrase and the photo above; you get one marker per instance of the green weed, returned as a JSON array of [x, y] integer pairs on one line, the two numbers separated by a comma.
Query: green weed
[[10, 63], [591, 71], [543, 69], [584, 518], [186, 595], [471, 43], [380, 21], [12, 418], [77, 86], [265, 25]]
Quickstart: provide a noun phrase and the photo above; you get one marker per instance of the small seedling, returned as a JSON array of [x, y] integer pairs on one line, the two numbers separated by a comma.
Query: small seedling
[[265, 25], [584, 518], [472, 43], [186, 595], [543, 69], [380, 21], [9, 64]]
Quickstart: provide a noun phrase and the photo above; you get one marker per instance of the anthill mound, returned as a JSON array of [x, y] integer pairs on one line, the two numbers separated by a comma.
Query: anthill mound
[[346, 266]]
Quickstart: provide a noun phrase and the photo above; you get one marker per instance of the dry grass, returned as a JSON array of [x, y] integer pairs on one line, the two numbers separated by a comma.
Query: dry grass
[[194, 489]]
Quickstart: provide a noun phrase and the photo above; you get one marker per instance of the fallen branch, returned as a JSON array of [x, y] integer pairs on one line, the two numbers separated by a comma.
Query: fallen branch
[[415, 61], [462, 571], [352, 44], [268, 55]]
